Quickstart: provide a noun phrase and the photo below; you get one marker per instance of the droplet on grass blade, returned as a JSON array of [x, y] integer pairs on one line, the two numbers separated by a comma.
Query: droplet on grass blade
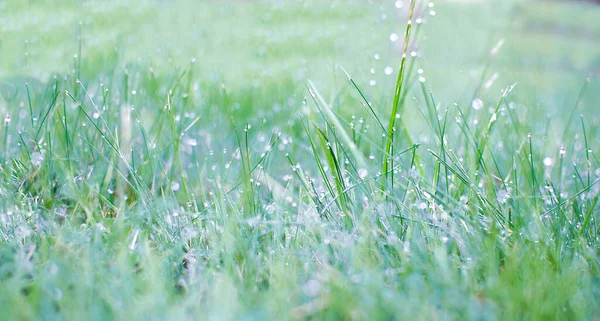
[[362, 173]]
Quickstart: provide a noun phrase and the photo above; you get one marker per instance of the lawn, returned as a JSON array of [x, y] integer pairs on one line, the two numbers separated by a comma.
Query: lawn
[[252, 160]]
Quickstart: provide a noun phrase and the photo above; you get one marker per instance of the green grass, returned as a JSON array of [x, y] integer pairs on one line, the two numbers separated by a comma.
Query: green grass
[[186, 160]]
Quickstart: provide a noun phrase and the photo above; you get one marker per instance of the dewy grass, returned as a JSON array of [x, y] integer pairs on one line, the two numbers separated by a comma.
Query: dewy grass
[[135, 190]]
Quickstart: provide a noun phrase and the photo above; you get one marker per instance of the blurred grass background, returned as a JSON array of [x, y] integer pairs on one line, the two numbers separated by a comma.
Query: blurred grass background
[[550, 47]]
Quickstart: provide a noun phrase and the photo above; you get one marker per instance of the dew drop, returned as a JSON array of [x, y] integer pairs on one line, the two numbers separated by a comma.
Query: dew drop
[[562, 152], [362, 173], [477, 104]]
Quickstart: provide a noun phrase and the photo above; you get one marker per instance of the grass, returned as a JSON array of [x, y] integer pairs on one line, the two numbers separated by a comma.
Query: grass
[[183, 160]]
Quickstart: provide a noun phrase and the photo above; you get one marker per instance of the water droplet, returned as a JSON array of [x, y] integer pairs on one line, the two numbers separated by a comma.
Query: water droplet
[[37, 159], [548, 161], [362, 173], [388, 70], [477, 104], [432, 13], [394, 37], [376, 56], [134, 92], [191, 142], [372, 82], [175, 186], [398, 4], [422, 79], [503, 196]]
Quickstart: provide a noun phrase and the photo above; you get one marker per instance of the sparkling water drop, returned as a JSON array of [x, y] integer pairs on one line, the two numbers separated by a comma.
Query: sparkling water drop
[[477, 104], [548, 161]]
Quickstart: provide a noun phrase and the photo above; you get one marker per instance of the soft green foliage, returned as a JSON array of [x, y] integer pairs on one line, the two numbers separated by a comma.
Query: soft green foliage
[[191, 160]]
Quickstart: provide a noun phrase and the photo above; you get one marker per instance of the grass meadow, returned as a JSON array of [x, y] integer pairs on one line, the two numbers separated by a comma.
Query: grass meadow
[[299, 160]]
